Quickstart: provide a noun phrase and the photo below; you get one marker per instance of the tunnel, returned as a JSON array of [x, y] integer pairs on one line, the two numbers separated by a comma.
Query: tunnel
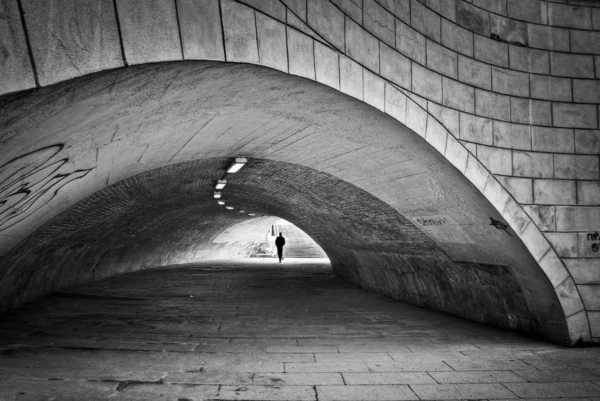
[[304, 144], [433, 165]]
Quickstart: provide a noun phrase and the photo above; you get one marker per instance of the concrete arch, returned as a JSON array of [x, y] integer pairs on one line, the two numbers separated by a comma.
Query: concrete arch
[[152, 139], [278, 35]]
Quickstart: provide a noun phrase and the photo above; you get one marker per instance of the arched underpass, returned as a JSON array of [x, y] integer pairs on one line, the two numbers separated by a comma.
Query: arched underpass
[[120, 168]]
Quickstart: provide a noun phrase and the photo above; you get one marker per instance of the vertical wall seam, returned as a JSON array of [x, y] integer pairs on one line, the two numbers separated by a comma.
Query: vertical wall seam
[[257, 40], [28, 44], [446, 142], [222, 30], [125, 63], [533, 191], [179, 29], [287, 50], [306, 3], [572, 92], [362, 14]]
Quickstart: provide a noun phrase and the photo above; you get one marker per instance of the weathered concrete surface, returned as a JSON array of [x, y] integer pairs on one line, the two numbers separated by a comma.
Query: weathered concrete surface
[[201, 30], [168, 215], [149, 31], [81, 38], [534, 64], [177, 125], [17, 73], [232, 331]]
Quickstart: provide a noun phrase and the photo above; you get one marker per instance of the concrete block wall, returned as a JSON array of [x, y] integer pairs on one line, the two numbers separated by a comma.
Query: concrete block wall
[[506, 90]]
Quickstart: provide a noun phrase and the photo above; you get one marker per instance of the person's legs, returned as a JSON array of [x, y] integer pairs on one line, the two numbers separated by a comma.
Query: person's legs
[[280, 253]]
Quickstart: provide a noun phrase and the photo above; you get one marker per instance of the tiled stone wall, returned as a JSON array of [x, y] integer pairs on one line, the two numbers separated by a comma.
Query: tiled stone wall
[[506, 90]]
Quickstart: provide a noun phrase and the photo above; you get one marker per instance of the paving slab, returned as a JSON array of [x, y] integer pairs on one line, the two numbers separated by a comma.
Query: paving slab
[[264, 393], [344, 366], [301, 349], [298, 379], [389, 378], [293, 333], [558, 375], [476, 377], [461, 391], [358, 356], [566, 389], [381, 392], [488, 365], [408, 366]]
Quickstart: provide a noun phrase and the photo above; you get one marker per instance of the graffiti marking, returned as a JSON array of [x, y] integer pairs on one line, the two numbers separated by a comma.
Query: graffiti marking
[[30, 181], [593, 237]]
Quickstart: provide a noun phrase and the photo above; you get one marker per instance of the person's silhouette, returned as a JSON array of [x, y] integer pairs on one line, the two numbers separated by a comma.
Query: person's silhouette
[[279, 243]]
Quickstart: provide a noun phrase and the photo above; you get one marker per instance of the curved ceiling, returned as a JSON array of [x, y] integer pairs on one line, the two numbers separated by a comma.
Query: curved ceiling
[[390, 212]]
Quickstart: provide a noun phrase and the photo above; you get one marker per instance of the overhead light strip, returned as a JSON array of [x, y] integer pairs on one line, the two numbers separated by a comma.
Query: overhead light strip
[[220, 184], [236, 165]]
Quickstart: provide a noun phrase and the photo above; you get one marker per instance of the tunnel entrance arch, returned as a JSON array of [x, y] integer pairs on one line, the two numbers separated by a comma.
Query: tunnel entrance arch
[[162, 216], [127, 121], [424, 64]]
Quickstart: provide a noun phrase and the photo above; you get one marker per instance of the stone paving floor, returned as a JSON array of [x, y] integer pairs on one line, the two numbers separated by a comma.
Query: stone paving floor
[[264, 331]]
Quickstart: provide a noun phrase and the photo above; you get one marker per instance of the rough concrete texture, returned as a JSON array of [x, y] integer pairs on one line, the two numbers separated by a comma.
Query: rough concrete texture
[[167, 215], [80, 39], [302, 168], [259, 331], [17, 73], [494, 43]]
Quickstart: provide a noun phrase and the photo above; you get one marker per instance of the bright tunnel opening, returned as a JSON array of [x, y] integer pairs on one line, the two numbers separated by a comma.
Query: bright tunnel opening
[[255, 239]]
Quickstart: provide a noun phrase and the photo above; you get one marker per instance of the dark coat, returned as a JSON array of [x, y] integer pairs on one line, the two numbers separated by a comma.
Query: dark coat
[[280, 242]]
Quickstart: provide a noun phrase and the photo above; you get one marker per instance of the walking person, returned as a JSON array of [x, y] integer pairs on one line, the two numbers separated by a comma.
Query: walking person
[[279, 243]]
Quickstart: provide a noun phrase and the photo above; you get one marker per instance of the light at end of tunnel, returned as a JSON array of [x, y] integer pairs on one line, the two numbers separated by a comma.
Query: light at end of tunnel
[[229, 207], [236, 165], [221, 202], [217, 195], [220, 184]]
